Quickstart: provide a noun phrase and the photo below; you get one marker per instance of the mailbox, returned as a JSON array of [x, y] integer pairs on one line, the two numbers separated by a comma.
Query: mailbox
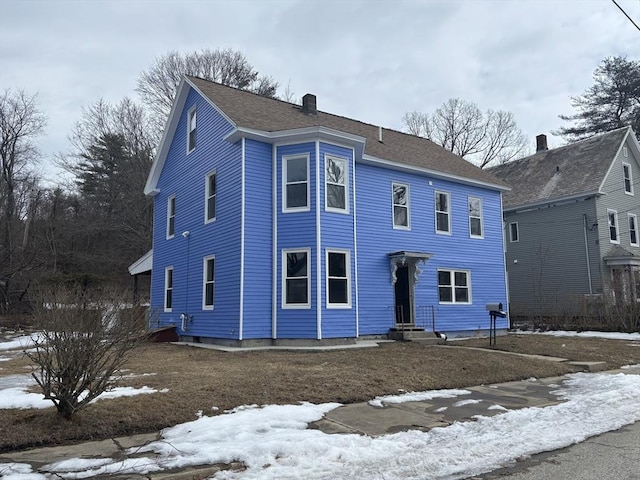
[[496, 309]]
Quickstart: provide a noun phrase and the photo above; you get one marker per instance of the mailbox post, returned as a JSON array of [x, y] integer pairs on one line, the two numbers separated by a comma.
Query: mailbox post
[[495, 310]]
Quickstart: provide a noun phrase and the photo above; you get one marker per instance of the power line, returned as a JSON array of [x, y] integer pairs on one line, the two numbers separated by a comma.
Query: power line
[[625, 14]]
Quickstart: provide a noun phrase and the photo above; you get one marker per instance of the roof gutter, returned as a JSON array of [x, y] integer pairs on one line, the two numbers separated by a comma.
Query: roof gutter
[[559, 200]]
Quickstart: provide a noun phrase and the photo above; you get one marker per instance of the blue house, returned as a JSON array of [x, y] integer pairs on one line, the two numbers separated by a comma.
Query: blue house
[[276, 222]]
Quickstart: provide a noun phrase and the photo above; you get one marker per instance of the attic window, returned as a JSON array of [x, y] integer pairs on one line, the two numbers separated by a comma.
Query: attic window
[[191, 130], [612, 216], [628, 181], [625, 151]]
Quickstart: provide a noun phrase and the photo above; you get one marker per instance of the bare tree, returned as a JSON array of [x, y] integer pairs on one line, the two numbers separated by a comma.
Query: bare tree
[[81, 344], [462, 128]]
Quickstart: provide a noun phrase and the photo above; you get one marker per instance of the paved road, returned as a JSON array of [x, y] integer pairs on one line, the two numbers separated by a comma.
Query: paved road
[[610, 456]]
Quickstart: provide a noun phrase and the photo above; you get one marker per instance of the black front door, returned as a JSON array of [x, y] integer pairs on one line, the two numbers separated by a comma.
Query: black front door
[[403, 296]]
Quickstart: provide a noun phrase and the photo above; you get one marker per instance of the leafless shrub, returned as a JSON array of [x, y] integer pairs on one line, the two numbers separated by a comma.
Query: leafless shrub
[[81, 344]]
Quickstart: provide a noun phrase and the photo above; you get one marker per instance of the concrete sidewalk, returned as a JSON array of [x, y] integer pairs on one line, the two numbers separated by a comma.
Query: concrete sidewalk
[[358, 418]]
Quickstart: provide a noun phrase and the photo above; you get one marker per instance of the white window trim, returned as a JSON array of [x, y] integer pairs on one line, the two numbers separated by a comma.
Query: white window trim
[[295, 306], [617, 225], [204, 282], [207, 196], [624, 187], [169, 215], [190, 127], [348, 271], [452, 273], [511, 240], [407, 206], [448, 212], [166, 288], [345, 184], [306, 208], [635, 223], [481, 217]]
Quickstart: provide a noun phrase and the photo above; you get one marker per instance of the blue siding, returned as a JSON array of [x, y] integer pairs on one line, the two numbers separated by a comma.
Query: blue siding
[[184, 176]]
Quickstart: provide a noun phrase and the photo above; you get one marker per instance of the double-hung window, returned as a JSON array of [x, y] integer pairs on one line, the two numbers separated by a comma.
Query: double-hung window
[[191, 130], [633, 230], [210, 197], [171, 216], [168, 289], [338, 283], [336, 184], [627, 178], [454, 286], [295, 173], [296, 269], [475, 217], [401, 215], [514, 232], [208, 282], [443, 212], [612, 220]]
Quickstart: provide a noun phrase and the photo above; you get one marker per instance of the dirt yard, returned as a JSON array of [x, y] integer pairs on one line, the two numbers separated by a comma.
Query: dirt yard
[[211, 381]]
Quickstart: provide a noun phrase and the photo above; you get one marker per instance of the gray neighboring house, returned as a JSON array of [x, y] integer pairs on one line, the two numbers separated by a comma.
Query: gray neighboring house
[[572, 225]]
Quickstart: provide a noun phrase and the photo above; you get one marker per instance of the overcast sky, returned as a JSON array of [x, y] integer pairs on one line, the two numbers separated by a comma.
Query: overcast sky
[[369, 60]]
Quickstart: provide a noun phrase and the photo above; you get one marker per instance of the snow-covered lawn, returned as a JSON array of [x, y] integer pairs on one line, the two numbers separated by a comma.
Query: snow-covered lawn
[[606, 335]]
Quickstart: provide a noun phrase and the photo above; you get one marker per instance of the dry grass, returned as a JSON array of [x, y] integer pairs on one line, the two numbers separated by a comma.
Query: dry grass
[[200, 379]]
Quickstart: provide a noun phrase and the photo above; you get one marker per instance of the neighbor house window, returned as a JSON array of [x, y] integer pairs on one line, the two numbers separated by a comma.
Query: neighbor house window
[[475, 217], [208, 282], [627, 178], [443, 213], [191, 130], [336, 184], [171, 216], [625, 151], [338, 284], [296, 268], [514, 233], [454, 286], [296, 183], [210, 197], [168, 289], [612, 216], [633, 230], [400, 194]]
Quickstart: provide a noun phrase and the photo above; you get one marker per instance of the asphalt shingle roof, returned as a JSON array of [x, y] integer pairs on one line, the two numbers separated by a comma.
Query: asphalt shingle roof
[[561, 172], [253, 111]]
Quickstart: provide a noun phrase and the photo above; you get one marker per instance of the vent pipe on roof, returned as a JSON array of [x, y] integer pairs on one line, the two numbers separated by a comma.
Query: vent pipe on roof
[[309, 104], [541, 142], [380, 134]]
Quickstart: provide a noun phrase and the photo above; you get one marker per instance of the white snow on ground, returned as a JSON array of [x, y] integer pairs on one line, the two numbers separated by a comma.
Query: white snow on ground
[[462, 403], [497, 407], [417, 396], [627, 367], [17, 342], [274, 443], [608, 335]]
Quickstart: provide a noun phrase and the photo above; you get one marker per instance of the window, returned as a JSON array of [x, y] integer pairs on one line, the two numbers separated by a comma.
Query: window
[[625, 151], [208, 282], [210, 198], [191, 130], [443, 210], [633, 230], [296, 183], [400, 194], [171, 216], [475, 217], [336, 184], [453, 286], [296, 268], [628, 181], [514, 233], [168, 289], [613, 226], [338, 284]]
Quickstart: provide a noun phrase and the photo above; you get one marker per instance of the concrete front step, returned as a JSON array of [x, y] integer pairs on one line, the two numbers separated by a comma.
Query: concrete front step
[[414, 334]]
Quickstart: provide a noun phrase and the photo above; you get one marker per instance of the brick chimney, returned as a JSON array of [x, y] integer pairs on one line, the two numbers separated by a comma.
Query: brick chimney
[[541, 142], [309, 104]]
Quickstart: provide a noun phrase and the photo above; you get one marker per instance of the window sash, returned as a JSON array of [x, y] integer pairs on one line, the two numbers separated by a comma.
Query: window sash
[[400, 201], [613, 226], [336, 184], [208, 288], [626, 174], [443, 212], [191, 140], [168, 289], [633, 230], [338, 283], [210, 195], [296, 183], [296, 273], [514, 232], [475, 217], [171, 216], [454, 286]]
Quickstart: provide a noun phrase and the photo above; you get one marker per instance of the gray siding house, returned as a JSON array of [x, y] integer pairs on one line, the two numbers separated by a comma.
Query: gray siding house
[[572, 225]]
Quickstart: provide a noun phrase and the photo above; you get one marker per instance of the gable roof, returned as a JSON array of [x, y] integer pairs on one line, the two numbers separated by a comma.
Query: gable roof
[[249, 112], [571, 171]]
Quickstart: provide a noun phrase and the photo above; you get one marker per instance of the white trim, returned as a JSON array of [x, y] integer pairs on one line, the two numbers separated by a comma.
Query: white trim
[[345, 184], [285, 159], [511, 240], [192, 125], [207, 196], [616, 225], [168, 235], [274, 242], [283, 254], [481, 217], [407, 206], [166, 289], [635, 224], [453, 286], [503, 239], [205, 261], [347, 256], [527, 207], [624, 179], [355, 241], [318, 245], [242, 240], [633, 140], [447, 211]]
